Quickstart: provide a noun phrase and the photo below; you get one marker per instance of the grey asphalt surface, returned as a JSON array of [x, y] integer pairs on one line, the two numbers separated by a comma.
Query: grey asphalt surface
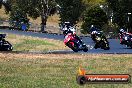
[[115, 46]]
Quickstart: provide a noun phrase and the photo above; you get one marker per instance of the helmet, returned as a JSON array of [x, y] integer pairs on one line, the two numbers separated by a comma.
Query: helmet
[[2, 36], [94, 32], [67, 24], [122, 30], [65, 32]]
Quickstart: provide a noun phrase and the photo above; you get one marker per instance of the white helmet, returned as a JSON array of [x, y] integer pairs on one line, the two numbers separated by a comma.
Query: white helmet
[[122, 30], [94, 32]]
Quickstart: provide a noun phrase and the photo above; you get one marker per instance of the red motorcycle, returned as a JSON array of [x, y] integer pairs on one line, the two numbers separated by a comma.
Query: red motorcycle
[[74, 43], [126, 39]]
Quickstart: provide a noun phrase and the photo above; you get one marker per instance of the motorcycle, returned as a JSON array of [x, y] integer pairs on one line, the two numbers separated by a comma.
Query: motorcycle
[[5, 45], [127, 40], [74, 43], [101, 42]]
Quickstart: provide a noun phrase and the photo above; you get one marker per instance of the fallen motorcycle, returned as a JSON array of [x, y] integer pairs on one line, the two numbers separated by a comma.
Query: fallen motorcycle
[[5, 45], [74, 43]]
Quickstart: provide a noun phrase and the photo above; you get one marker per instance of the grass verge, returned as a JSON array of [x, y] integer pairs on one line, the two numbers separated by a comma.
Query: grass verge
[[26, 43], [59, 70]]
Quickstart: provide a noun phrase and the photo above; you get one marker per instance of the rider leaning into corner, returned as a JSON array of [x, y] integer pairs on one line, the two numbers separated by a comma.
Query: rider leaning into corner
[[123, 34], [67, 27], [97, 35], [95, 31]]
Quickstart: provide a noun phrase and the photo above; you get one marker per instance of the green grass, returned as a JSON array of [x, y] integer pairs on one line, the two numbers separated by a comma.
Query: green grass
[[28, 43], [60, 71]]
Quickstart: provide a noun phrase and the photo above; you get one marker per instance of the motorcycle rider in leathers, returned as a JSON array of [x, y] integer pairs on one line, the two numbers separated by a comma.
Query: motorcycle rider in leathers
[[123, 34], [68, 28]]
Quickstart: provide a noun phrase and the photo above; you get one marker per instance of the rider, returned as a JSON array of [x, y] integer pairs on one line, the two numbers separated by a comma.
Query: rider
[[97, 36], [68, 28], [123, 34], [93, 31], [96, 33]]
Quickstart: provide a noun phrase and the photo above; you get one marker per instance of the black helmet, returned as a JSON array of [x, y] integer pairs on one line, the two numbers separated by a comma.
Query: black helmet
[[2, 36], [65, 32]]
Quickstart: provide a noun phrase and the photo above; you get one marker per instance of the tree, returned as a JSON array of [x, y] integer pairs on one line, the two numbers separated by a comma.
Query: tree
[[18, 18], [94, 16], [121, 10], [6, 4], [36, 8], [70, 10]]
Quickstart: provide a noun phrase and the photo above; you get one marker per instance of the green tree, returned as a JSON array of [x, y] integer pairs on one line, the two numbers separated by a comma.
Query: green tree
[[34, 9], [18, 17], [70, 10], [42, 8], [121, 10], [94, 16]]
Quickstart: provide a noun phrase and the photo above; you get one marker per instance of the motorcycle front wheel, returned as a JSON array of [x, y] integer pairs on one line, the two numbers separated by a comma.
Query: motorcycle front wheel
[[105, 46], [73, 47], [85, 48]]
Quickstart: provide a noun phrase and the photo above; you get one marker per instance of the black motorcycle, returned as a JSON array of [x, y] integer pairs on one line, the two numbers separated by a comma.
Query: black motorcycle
[[102, 42], [5, 45]]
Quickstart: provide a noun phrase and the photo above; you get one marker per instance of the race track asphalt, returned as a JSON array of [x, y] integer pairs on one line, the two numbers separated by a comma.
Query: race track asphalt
[[115, 46]]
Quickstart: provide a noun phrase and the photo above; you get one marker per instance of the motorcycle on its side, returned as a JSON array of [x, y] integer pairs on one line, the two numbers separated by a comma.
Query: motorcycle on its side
[[5, 45], [74, 43]]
